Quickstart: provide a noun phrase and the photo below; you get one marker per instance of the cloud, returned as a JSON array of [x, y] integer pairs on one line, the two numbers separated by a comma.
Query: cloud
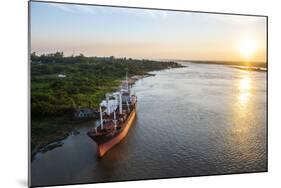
[[93, 10], [154, 14], [75, 8], [62, 7], [157, 13], [85, 9], [240, 19]]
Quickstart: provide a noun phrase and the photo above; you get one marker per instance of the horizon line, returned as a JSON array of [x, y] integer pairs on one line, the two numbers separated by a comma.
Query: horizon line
[[154, 59]]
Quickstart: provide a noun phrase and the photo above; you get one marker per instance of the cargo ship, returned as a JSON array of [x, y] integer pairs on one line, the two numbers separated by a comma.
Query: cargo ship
[[117, 115]]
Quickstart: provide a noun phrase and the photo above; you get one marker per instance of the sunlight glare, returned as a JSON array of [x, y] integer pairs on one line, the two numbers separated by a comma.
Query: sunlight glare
[[247, 48], [244, 87], [245, 84]]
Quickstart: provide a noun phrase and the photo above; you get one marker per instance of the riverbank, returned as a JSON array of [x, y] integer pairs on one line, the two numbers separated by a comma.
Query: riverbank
[[61, 127], [49, 130], [52, 131], [231, 63], [259, 69], [49, 127]]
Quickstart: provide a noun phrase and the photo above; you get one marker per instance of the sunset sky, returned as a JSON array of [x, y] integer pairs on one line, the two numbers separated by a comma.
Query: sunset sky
[[152, 34]]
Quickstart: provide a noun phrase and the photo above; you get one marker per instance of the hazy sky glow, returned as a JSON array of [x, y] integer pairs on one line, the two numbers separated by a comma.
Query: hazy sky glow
[[138, 33]]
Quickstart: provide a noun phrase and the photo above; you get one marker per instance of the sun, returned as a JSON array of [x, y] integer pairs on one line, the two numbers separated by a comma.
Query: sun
[[247, 48]]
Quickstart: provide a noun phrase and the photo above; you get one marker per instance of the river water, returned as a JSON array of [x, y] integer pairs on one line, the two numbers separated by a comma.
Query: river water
[[198, 120]]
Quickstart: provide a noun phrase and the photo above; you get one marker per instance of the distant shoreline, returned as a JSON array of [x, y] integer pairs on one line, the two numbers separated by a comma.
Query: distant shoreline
[[237, 63], [258, 69]]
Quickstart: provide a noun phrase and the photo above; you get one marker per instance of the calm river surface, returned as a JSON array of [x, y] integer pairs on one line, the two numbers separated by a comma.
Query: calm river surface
[[199, 120]]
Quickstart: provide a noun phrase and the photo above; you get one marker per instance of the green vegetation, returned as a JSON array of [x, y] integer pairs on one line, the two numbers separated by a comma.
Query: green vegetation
[[59, 85]]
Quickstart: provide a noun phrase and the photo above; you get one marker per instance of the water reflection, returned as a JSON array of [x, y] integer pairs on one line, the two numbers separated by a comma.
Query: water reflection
[[243, 112], [244, 89]]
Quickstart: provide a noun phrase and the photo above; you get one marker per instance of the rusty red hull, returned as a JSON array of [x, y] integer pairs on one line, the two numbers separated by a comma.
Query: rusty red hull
[[106, 146]]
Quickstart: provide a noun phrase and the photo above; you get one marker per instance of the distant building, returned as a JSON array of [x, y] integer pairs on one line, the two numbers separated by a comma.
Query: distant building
[[61, 75]]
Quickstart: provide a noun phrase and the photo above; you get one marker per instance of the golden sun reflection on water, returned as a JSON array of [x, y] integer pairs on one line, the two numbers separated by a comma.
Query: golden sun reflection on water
[[244, 90], [242, 108]]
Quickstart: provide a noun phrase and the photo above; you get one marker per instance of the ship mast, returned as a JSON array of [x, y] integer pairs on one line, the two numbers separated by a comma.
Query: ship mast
[[127, 82], [115, 121], [120, 102], [101, 120]]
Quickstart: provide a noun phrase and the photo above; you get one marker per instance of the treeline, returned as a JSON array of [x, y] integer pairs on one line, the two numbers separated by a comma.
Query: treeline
[[61, 84]]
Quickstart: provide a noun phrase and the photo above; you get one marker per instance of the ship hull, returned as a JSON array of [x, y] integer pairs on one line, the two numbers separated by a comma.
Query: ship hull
[[102, 148]]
